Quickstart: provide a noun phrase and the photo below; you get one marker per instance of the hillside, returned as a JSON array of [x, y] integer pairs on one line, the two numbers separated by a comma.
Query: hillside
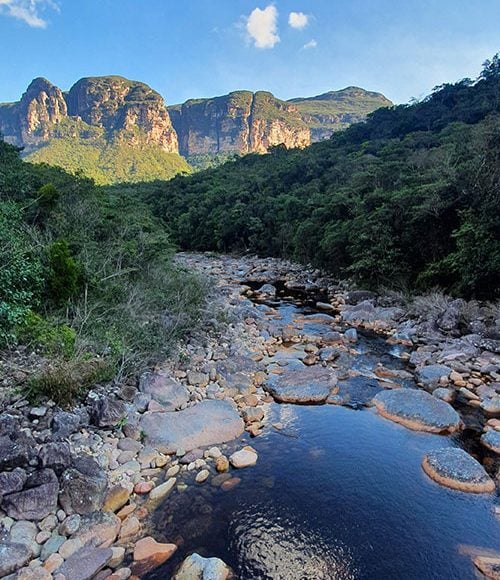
[[410, 199], [336, 110]]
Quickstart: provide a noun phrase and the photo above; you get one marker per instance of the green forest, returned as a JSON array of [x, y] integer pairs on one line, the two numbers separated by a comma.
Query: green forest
[[86, 278], [409, 199]]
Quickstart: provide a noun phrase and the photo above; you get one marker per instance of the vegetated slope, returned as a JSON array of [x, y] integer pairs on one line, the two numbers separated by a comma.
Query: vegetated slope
[[408, 199], [85, 277], [81, 149], [109, 128], [337, 110]]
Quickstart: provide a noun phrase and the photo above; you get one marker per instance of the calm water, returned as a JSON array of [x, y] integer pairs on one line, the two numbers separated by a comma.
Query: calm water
[[336, 494]]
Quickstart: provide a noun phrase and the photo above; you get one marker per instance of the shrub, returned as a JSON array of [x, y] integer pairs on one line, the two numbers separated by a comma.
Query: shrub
[[63, 273], [64, 382], [52, 338], [21, 277]]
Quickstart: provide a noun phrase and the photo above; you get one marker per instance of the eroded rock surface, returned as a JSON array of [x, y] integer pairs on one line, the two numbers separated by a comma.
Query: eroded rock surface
[[208, 423], [417, 410]]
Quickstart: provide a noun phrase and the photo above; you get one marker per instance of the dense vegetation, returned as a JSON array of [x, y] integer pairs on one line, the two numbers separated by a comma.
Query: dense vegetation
[[85, 277], [80, 148], [409, 199]]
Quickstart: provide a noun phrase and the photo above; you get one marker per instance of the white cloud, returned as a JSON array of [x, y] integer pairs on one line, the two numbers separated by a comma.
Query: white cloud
[[311, 44], [298, 20], [262, 27], [27, 10]]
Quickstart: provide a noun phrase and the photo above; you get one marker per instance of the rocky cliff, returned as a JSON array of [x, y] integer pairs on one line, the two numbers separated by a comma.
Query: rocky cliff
[[122, 108], [98, 113], [241, 122]]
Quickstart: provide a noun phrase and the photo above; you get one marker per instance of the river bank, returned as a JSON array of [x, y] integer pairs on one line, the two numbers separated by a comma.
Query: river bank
[[107, 465]]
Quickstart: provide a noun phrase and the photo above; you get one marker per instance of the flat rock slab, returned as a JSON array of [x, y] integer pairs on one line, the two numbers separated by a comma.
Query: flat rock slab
[[417, 410], [85, 563], [491, 440], [302, 386], [209, 423], [455, 468], [166, 390], [356, 392]]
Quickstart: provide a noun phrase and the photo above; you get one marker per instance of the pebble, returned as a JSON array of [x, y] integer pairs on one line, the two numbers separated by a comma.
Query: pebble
[[143, 487], [202, 476], [163, 490], [246, 457]]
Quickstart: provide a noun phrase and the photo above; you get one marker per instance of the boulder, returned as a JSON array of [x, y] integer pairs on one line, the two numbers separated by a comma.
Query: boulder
[[195, 567], [166, 390], [417, 410], [84, 564], [450, 319], [98, 528], [355, 392], [64, 424], [149, 554], [38, 498], [55, 455], [357, 296], [491, 440], [107, 411], [15, 451], [83, 486], [455, 468], [303, 386], [11, 481], [12, 557], [209, 423], [429, 375], [244, 458]]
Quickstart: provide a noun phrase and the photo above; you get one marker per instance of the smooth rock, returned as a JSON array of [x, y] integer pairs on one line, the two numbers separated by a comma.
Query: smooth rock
[[430, 375], [455, 468], [491, 440], [207, 423], [85, 563], [161, 491], [195, 567], [303, 386], [165, 390], [243, 458], [116, 498], [202, 476], [100, 528], [417, 410], [149, 554]]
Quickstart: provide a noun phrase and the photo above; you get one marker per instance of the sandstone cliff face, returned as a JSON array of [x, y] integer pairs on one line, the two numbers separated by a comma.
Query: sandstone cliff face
[[241, 122], [124, 109], [134, 114], [117, 104], [29, 122]]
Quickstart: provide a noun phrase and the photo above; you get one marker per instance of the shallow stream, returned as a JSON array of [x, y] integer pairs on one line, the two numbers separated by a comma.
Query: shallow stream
[[337, 493]]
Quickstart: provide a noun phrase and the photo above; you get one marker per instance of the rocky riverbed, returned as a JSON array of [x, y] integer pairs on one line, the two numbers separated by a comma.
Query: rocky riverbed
[[78, 486]]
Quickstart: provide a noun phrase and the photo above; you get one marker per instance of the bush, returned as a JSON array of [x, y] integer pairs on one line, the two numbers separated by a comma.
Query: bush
[[51, 338], [64, 382], [63, 273], [21, 278]]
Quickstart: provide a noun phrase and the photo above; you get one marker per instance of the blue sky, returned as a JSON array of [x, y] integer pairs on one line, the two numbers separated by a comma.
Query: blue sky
[[201, 48]]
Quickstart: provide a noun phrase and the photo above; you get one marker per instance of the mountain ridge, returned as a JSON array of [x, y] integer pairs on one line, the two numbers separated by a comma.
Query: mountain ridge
[[111, 117]]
